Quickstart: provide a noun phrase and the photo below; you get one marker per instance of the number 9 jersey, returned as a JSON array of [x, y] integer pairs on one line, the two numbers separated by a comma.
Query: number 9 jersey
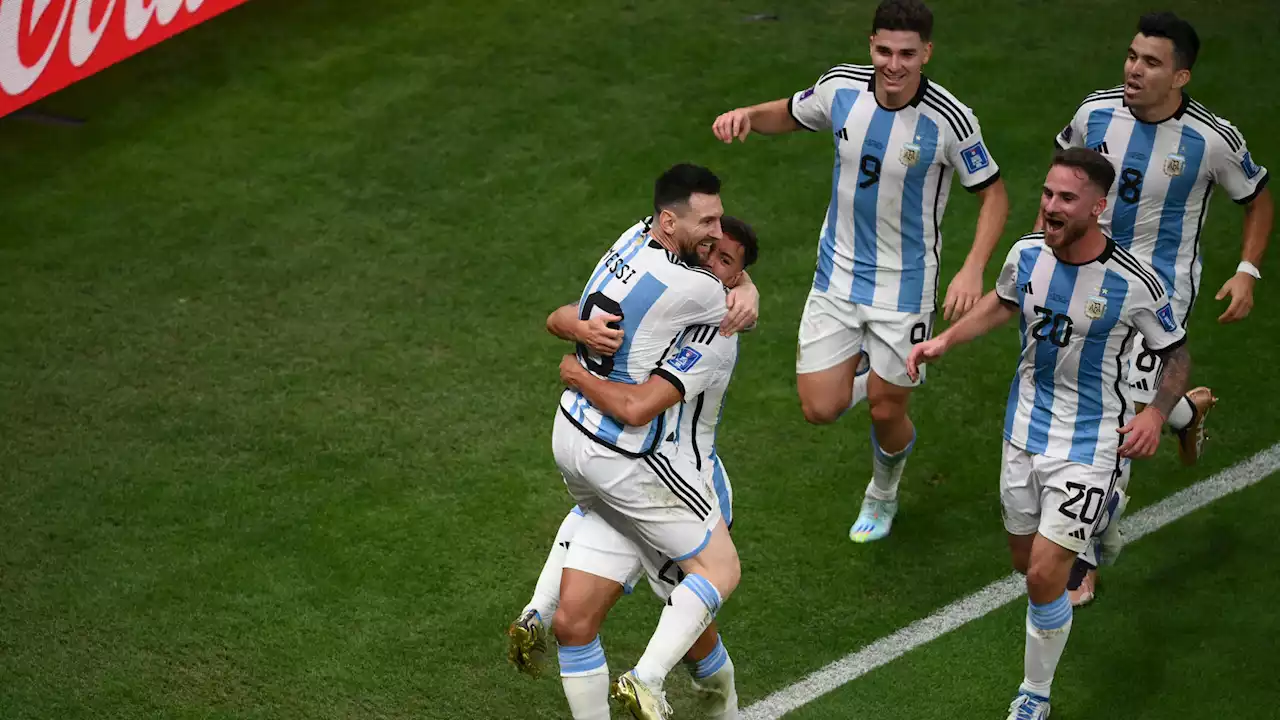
[[1078, 323], [881, 244], [658, 297]]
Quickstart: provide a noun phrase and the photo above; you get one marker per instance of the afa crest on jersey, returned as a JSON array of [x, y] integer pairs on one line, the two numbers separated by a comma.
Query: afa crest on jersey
[[1174, 164], [910, 154], [685, 359], [1096, 307]]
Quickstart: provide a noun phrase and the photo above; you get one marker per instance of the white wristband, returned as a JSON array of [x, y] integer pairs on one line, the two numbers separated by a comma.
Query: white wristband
[[1249, 268]]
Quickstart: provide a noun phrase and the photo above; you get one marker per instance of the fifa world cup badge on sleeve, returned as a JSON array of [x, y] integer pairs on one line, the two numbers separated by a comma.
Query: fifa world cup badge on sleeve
[[975, 158], [806, 94], [1166, 318], [910, 154], [1096, 307], [685, 359], [1174, 164], [1250, 170]]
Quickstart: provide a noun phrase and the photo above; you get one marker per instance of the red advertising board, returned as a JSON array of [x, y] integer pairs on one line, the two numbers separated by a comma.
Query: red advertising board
[[45, 45]]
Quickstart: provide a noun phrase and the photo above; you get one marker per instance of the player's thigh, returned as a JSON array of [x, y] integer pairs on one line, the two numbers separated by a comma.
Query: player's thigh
[[890, 335], [1073, 498], [660, 502], [829, 339], [1143, 373], [1019, 496]]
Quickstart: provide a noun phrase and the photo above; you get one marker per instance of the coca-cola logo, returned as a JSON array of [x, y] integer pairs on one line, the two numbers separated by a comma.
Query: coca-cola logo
[[32, 31]]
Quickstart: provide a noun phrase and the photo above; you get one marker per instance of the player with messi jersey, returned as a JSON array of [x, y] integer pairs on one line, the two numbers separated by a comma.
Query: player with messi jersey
[[701, 364], [627, 472], [1169, 152], [1081, 299], [899, 138]]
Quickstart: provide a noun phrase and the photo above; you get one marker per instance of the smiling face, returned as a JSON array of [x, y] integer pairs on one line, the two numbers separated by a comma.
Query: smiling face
[[692, 224], [1070, 205], [725, 258], [899, 56]]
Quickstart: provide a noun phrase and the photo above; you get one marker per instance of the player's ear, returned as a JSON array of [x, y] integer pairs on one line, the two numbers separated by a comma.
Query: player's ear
[[1181, 78], [928, 53], [667, 221], [1100, 207]]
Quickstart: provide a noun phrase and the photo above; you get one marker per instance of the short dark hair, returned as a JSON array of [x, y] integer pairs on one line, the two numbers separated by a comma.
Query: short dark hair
[[1186, 43], [742, 234], [1096, 167], [910, 15], [677, 184]]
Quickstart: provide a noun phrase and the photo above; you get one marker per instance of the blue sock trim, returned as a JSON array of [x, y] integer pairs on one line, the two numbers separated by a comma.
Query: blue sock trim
[[711, 664], [705, 591], [895, 458], [582, 658], [1050, 616]]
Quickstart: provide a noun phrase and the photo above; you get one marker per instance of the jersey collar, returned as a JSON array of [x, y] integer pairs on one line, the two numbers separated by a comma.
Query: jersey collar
[[1177, 114], [1102, 258], [915, 100]]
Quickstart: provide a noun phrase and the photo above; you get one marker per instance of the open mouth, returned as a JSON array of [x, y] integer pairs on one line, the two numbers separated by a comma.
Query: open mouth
[[1054, 224], [1131, 86]]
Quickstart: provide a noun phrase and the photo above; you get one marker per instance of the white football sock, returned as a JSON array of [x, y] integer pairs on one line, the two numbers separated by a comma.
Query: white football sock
[[584, 674], [713, 679], [546, 594], [1182, 414], [1048, 627], [692, 606], [887, 469]]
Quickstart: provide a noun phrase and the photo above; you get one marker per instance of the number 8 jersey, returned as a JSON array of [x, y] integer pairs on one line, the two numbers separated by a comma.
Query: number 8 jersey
[[658, 297], [1165, 173], [881, 243], [1078, 322]]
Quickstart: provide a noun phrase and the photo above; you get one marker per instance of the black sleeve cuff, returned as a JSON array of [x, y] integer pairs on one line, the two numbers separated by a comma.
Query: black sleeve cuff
[[670, 377], [1256, 191], [1011, 303], [1057, 143], [985, 183], [791, 111], [1171, 346]]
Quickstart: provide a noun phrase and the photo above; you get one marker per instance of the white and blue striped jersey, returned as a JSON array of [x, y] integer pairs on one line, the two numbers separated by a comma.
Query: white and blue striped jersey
[[1078, 323], [881, 244], [657, 296], [1165, 173], [701, 366]]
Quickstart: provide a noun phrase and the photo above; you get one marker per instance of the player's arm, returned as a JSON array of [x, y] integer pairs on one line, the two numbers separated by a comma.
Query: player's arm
[[978, 172], [633, 405], [1153, 317], [991, 312], [1233, 168], [808, 109], [598, 333], [1259, 217], [743, 304]]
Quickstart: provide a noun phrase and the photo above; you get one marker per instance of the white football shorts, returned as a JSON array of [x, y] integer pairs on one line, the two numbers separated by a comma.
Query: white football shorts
[[1059, 499], [833, 329]]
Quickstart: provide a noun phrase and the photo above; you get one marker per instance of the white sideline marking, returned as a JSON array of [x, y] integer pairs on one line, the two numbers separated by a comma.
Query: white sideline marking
[[1002, 592]]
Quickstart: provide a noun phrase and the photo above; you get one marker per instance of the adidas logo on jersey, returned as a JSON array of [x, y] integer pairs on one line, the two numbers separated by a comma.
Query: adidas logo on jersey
[[1078, 534], [1142, 385], [1026, 289], [1101, 147]]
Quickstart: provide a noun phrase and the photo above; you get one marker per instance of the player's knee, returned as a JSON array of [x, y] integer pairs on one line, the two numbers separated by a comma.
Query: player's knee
[[820, 413], [887, 410], [1043, 580], [574, 628]]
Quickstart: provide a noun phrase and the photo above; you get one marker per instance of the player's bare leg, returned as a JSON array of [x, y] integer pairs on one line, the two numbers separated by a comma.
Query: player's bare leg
[[1048, 625], [585, 600], [825, 395], [892, 438], [710, 577], [712, 669]]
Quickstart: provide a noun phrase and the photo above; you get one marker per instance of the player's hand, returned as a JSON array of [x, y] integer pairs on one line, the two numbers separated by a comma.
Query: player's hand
[[570, 371], [963, 293], [1240, 288], [744, 309], [1142, 434], [925, 352], [599, 336], [733, 124]]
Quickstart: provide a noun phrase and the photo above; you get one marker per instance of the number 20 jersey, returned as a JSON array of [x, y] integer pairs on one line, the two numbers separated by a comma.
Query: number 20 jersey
[[1077, 323], [880, 244], [1165, 173], [658, 297]]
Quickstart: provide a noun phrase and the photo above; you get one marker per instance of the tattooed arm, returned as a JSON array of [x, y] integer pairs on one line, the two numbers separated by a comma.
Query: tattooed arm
[[1142, 434]]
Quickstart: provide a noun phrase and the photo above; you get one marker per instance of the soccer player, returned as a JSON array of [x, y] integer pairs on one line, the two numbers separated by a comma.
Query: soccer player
[[624, 469], [1169, 152], [899, 138], [1081, 298], [585, 543]]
